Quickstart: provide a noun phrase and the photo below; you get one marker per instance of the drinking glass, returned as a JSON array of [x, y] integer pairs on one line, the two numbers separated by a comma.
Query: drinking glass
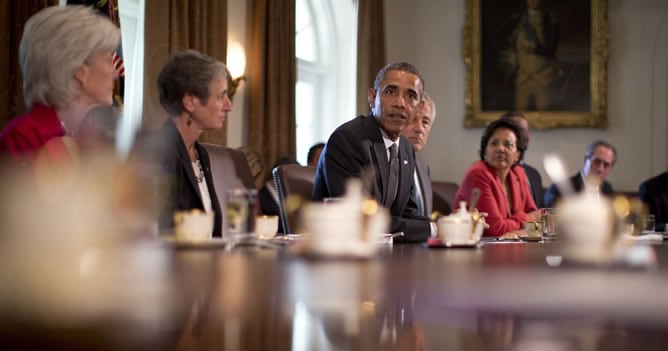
[[240, 212], [549, 223], [648, 224]]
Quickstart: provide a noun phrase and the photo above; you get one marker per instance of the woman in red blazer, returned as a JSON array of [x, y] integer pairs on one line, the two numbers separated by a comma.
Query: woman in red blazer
[[504, 191], [68, 65]]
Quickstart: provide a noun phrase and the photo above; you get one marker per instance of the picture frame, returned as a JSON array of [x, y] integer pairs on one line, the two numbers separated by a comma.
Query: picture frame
[[537, 62]]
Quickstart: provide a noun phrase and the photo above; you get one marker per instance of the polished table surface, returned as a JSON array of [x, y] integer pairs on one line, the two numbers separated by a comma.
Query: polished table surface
[[501, 296]]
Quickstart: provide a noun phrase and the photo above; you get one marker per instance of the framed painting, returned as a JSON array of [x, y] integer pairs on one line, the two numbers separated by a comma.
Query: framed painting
[[545, 58]]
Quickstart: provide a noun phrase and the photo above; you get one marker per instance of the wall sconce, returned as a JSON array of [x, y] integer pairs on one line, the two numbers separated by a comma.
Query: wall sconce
[[236, 63]]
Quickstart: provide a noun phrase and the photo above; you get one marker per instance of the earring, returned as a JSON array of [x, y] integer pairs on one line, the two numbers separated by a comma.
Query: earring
[[190, 119]]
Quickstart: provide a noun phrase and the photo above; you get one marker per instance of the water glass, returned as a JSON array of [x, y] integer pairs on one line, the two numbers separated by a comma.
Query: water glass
[[649, 222], [549, 223], [241, 208]]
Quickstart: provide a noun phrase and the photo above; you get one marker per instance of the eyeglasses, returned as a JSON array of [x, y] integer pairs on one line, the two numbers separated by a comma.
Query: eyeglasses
[[598, 162]]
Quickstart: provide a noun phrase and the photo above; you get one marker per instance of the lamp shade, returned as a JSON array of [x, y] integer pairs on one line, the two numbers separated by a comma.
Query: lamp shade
[[236, 59]]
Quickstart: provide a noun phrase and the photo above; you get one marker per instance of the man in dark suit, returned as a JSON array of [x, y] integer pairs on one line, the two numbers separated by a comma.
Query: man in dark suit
[[314, 154], [654, 192], [599, 159], [369, 144], [533, 177], [417, 132]]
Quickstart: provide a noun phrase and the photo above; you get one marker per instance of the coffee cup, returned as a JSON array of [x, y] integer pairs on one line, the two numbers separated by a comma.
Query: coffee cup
[[332, 228], [193, 225], [454, 230], [586, 229], [266, 226]]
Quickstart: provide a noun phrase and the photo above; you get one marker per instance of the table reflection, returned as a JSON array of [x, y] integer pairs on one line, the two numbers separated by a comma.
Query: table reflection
[[408, 297]]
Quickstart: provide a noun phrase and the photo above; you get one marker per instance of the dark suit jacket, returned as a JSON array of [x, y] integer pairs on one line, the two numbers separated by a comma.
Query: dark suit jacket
[[552, 194], [424, 175], [654, 192], [165, 151], [535, 184], [356, 145]]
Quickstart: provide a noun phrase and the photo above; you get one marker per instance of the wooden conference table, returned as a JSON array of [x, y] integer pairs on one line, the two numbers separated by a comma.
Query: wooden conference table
[[501, 296]]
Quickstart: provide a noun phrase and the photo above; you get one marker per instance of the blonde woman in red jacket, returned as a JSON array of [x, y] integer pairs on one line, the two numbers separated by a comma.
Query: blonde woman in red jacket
[[68, 65]]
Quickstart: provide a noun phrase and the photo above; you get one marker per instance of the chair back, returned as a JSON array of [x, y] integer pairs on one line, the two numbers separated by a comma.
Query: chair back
[[444, 196], [292, 180], [230, 170]]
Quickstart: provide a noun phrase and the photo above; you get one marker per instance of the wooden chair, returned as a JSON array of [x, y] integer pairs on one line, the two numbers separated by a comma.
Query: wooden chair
[[444, 196], [292, 180]]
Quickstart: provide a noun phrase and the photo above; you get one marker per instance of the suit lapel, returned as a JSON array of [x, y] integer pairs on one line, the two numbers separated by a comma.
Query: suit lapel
[[187, 167], [383, 166], [215, 205], [406, 165], [184, 158], [578, 183], [379, 158], [425, 186]]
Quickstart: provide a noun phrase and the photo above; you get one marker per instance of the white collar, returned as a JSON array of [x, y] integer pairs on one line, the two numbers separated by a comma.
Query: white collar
[[388, 142], [586, 184]]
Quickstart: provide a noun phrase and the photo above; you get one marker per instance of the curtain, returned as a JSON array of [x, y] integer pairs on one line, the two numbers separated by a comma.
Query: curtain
[[177, 25], [370, 48], [13, 15], [272, 77]]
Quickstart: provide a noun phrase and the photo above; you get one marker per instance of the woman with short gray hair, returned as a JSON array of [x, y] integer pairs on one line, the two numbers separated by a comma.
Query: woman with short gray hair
[[193, 90], [67, 58]]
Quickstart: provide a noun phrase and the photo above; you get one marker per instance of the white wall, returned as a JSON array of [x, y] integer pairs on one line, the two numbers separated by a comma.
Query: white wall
[[237, 31], [428, 33]]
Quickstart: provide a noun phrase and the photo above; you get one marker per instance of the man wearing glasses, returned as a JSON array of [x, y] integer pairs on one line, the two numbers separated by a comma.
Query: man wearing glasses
[[600, 157]]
